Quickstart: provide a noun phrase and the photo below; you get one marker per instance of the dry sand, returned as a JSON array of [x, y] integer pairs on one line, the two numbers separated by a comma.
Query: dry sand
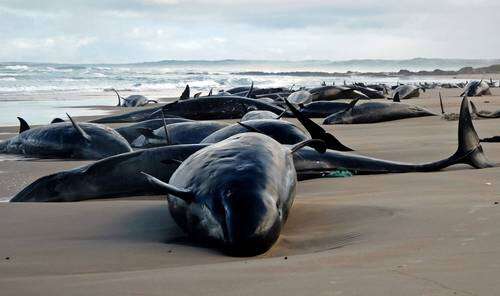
[[400, 234]]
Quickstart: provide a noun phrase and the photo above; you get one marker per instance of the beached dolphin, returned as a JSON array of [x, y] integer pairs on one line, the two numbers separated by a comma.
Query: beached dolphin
[[300, 97], [330, 93], [134, 116], [217, 107], [113, 177], [116, 176], [405, 92], [469, 152], [235, 194], [282, 131], [322, 109], [476, 89], [192, 132], [484, 114], [371, 112], [258, 114], [133, 100], [368, 91], [132, 132], [66, 140]]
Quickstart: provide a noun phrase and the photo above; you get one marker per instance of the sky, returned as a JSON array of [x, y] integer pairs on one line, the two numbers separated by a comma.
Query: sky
[[121, 31]]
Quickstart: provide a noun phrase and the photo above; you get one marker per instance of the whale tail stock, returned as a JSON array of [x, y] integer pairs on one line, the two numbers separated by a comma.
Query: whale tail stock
[[469, 149]]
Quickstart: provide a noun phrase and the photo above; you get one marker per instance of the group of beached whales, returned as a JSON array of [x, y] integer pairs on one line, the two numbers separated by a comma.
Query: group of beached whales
[[228, 185]]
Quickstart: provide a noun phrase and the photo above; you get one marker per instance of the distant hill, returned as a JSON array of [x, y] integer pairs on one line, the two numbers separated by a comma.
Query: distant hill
[[365, 65]]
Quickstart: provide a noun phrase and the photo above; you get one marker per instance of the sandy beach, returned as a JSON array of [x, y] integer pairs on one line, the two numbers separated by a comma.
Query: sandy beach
[[398, 234]]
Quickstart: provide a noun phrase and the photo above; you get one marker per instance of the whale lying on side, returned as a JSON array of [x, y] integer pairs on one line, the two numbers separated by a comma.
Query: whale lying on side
[[484, 114], [191, 132], [132, 132], [133, 100], [66, 140], [371, 112]]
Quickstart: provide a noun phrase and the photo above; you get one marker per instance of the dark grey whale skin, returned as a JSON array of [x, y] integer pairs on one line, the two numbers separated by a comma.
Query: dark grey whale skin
[[131, 132], [113, 177], [62, 140], [96, 180], [240, 192], [372, 112], [217, 107], [191, 132], [322, 109], [282, 131]]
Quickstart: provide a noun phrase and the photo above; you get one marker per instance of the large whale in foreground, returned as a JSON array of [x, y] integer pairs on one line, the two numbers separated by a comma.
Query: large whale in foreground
[[235, 194], [66, 140], [117, 176]]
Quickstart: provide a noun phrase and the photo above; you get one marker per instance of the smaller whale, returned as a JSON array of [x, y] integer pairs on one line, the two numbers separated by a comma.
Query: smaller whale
[[405, 92], [484, 114], [252, 115], [133, 100], [192, 132], [371, 112], [282, 131], [217, 107], [66, 140], [132, 132], [322, 109], [476, 89], [330, 93], [113, 177]]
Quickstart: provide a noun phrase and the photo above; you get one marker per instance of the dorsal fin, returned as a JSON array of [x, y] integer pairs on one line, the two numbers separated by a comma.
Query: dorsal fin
[[57, 120], [250, 128], [316, 131], [441, 103], [351, 105], [184, 194], [148, 133], [79, 129], [210, 92], [23, 125], [249, 93], [396, 98], [119, 97], [197, 95], [167, 138], [186, 93], [318, 145], [282, 114]]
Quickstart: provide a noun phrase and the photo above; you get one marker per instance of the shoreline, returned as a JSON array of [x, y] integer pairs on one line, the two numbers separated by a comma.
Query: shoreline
[[406, 234]]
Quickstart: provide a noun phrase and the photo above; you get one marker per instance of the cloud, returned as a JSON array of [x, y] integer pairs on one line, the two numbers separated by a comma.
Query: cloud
[[145, 30]]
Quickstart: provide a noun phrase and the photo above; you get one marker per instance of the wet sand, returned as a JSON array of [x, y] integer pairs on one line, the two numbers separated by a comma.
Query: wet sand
[[400, 234]]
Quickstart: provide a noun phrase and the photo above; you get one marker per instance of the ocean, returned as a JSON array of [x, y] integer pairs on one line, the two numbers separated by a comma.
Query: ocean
[[42, 91]]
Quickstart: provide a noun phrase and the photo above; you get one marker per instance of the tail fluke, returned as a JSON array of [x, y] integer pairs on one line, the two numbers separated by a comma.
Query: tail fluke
[[469, 147]]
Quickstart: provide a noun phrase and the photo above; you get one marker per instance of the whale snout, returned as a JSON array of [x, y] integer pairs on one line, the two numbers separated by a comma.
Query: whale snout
[[251, 223]]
